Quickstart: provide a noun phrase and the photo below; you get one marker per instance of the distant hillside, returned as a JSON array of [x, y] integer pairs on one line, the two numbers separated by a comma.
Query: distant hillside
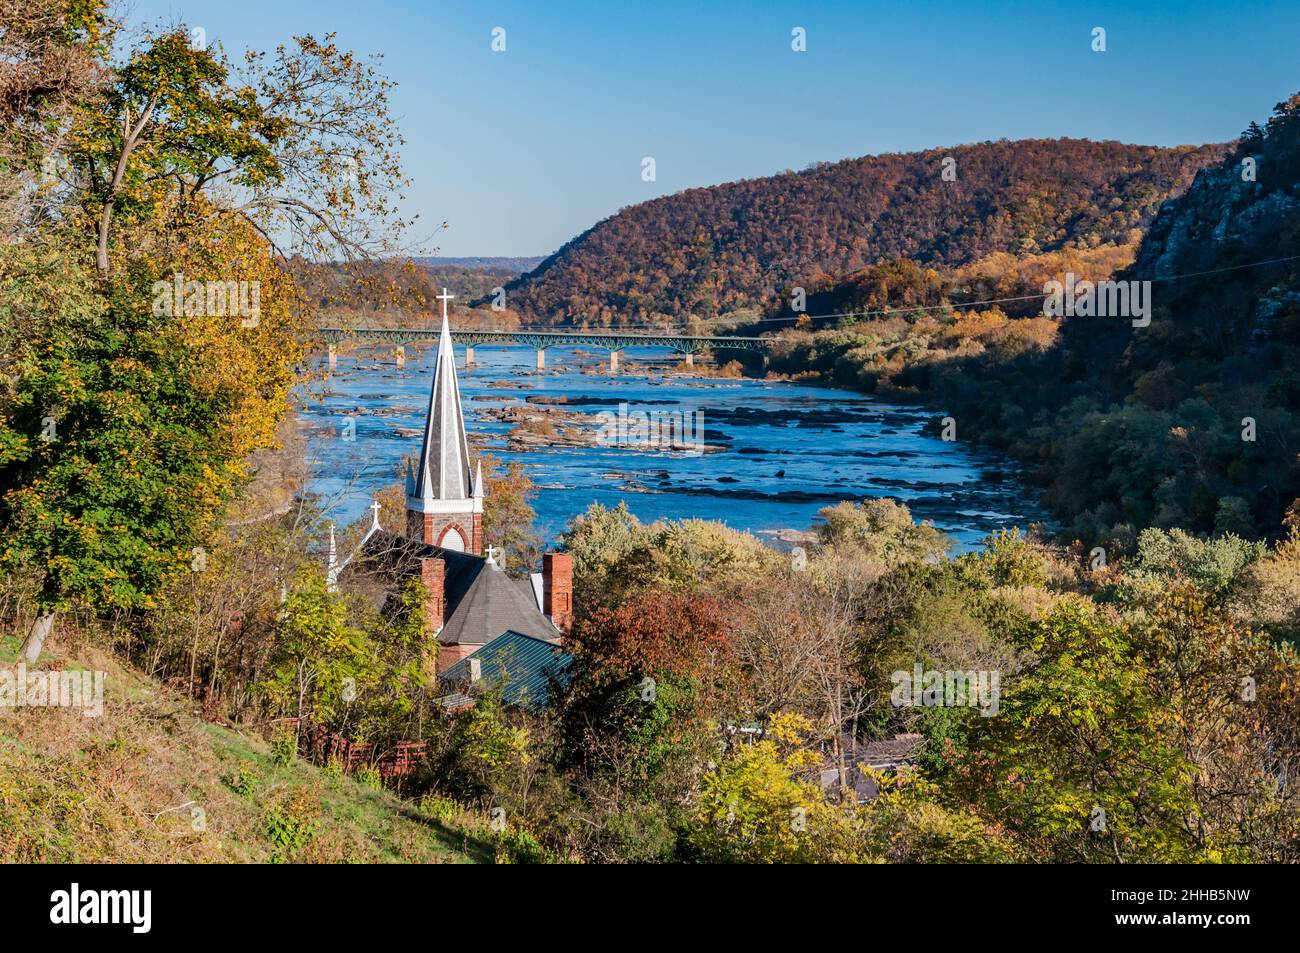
[[402, 287], [744, 244], [1223, 347], [517, 266]]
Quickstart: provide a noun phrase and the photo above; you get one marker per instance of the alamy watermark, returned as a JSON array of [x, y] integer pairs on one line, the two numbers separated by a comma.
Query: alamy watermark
[[20, 688], [1098, 299], [934, 688], [133, 908], [208, 299], [676, 430]]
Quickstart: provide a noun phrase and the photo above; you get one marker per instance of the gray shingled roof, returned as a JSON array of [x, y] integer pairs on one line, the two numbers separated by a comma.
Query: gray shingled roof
[[495, 603], [482, 602], [889, 752], [527, 666], [456, 701], [885, 755]]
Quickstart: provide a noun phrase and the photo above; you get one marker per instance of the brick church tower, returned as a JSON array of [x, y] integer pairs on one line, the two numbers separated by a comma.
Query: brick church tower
[[444, 499]]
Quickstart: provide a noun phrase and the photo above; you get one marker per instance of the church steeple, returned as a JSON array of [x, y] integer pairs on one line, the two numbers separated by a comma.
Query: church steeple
[[444, 502]]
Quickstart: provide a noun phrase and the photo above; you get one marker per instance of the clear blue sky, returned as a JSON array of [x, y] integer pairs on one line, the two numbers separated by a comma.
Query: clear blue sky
[[520, 151]]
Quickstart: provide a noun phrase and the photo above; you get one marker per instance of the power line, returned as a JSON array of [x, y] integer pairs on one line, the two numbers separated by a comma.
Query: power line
[[950, 306]]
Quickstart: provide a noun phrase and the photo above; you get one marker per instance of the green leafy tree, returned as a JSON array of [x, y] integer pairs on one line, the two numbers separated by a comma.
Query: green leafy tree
[[1075, 763], [395, 698], [486, 754], [761, 805], [113, 467], [319, 657]]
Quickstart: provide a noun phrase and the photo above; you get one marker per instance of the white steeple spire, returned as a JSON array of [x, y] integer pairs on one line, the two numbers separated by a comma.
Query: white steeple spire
[[440, 481], [332, 567]]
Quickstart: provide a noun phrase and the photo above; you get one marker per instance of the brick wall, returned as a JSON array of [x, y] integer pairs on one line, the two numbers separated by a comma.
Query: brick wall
[[432, 573], [557, 589]]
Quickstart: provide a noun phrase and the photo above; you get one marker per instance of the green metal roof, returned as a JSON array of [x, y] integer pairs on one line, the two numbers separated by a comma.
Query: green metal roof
[[526, 665]]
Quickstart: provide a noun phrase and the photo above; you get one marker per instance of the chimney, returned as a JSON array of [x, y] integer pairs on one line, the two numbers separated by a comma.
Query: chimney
[[475, 669], [557, 589], [432, 570]]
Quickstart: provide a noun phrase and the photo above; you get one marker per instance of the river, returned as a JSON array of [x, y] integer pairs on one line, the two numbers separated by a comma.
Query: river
[[788, 449]]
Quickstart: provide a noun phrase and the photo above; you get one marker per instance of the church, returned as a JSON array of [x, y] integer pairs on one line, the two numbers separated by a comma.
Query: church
[[472, 601]]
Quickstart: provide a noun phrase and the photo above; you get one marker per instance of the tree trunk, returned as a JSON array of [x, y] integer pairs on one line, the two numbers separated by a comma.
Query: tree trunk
[[35, 641], [130, 137], [101, 249]]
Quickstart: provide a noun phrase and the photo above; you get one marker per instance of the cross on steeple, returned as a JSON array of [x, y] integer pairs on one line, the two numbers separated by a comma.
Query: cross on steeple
[[376, 507], [444, 298]]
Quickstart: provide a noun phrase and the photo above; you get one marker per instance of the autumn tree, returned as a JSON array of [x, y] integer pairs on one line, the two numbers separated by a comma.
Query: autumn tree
[[762, 805], [302, 147], [651, 690], [132, 410], [1075, 762], [616, 557], [508, 514], [51, 63]]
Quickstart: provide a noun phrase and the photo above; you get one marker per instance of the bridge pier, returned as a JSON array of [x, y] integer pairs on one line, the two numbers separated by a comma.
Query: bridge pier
[[541, 358], [333, 355], [613, 362], [690, 358], [399, 355], [469, 356]]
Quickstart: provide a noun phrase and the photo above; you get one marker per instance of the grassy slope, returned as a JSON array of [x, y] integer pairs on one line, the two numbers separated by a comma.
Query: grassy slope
[[118, 788]]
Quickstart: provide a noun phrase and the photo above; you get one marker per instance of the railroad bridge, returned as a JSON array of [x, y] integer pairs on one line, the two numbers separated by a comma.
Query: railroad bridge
[[613, 341]]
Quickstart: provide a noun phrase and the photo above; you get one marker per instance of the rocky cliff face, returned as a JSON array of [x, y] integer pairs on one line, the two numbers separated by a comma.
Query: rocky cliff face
[[1219, 218], [1241, 213]]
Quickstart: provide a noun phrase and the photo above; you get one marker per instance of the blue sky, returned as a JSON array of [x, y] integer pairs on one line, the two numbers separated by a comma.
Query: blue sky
[[520, 151]]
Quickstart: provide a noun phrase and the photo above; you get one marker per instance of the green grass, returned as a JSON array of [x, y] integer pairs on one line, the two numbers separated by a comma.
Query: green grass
[[150, 782], [9, 646]]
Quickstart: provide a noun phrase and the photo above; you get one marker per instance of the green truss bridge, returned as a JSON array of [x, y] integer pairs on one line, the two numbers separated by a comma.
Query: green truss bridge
[[613, 341]]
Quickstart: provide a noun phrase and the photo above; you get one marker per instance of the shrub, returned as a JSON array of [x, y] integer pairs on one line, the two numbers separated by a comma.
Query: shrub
[[1213, 565], [1010, 560], [368, 776], [290, 823], [246, 780], [284, 747]]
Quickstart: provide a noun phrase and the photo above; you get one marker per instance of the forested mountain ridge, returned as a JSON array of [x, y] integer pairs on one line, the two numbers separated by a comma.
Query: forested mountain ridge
[[1215, 385], [743, 244], [1192, 421]]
